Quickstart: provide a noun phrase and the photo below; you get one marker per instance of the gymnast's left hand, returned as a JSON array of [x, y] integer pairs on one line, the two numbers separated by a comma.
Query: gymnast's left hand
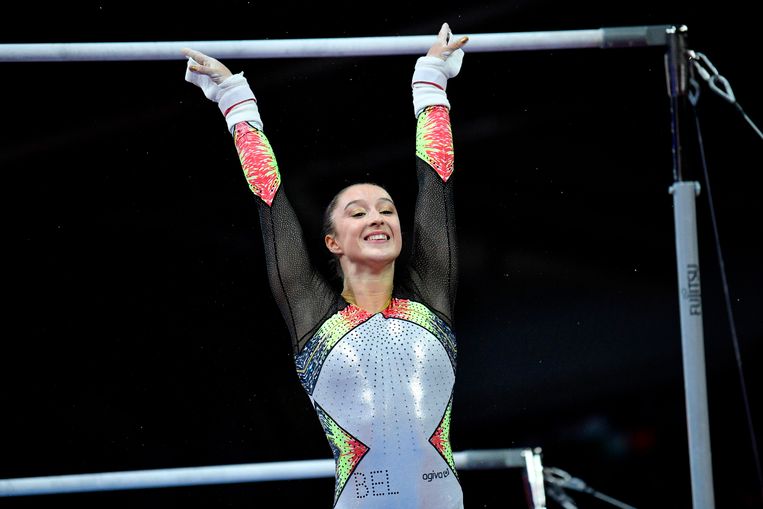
[[445, 46]]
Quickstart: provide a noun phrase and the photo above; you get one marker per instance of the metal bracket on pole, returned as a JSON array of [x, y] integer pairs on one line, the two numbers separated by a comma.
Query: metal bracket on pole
[[534, 471]]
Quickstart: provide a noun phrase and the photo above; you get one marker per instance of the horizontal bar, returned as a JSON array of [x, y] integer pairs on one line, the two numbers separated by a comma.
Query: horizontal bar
[[227, 474], [333, 47]]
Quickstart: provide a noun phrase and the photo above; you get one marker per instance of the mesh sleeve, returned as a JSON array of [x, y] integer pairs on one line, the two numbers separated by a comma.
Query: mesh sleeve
[[300, 291], [434, 263]]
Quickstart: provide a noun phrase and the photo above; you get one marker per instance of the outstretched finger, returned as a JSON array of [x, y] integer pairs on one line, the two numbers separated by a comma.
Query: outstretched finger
[[197, 56], [454, 45], [200, 63], [444, 34]]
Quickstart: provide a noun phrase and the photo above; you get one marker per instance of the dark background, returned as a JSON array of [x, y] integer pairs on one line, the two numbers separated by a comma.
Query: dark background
[[139, 331]]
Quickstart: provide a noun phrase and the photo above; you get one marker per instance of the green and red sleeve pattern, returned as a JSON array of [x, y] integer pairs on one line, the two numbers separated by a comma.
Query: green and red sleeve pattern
[[300, 291], [434, 140], [257, 161], [433, 268]]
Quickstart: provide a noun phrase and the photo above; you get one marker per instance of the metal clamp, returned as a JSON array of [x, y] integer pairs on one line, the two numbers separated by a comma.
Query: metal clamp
[[709, 73]]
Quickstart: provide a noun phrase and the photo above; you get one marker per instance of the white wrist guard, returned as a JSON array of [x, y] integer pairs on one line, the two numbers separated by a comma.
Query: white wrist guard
[[232, 91], [244, 112], [237, 102], [430, 80], [233, 96]]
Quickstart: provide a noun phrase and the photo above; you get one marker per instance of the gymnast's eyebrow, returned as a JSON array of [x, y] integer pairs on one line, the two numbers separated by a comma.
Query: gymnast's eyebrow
[[356, 201]]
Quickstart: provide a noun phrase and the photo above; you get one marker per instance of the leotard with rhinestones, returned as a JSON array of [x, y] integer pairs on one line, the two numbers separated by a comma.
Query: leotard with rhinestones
[[381, 383]]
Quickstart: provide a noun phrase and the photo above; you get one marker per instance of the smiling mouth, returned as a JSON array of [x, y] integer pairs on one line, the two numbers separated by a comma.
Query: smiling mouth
[[377, 236]]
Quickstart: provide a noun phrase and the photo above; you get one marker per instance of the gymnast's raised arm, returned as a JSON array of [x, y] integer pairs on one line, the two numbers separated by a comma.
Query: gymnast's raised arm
[[302, 294], [434, 263]]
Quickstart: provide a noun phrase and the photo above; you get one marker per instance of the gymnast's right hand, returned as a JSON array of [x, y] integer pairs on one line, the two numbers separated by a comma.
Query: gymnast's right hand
[[205, 72], [230, 91]]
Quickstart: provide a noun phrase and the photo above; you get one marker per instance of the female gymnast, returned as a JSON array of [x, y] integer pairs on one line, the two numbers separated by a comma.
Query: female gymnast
[[378, 359]]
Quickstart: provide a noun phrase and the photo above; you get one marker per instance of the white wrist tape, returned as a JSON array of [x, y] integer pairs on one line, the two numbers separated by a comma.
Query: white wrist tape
[[232, 91], [246, 111], [425, 95], [430, 80], [233, 96], [430, 70]]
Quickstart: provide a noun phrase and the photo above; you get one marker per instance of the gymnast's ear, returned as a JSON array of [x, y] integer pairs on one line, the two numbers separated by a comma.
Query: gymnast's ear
[[332, 244]]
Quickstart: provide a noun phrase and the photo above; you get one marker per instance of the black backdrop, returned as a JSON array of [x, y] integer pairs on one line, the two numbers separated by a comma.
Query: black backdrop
[[139, 329]]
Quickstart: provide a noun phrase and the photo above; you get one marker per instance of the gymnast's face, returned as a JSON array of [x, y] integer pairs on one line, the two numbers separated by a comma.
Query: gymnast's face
[[366, 227]]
